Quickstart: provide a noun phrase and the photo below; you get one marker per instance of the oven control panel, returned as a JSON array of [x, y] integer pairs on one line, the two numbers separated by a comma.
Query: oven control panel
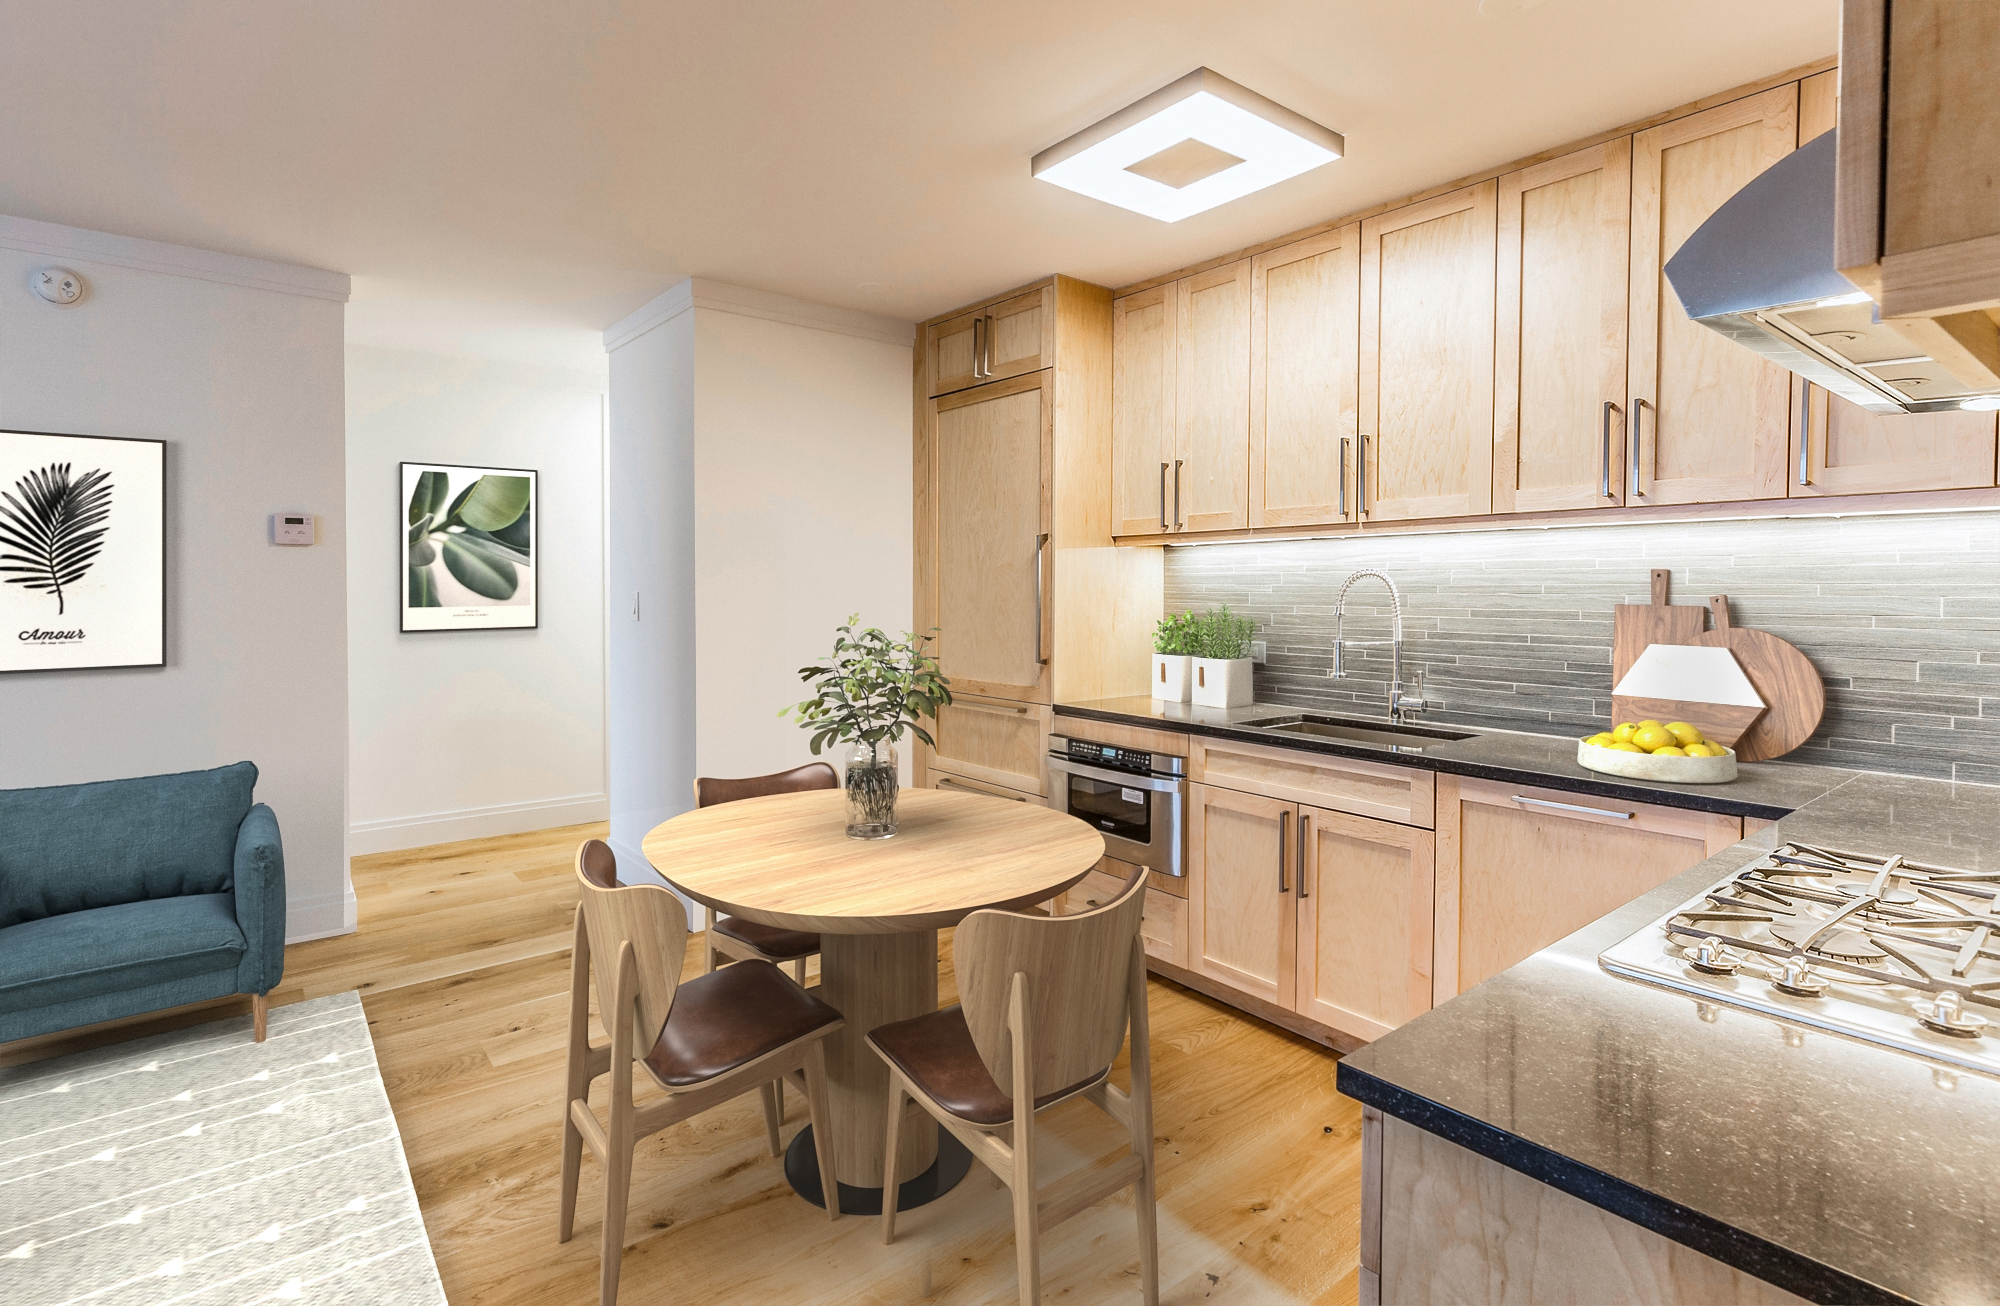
[[1138, 761]]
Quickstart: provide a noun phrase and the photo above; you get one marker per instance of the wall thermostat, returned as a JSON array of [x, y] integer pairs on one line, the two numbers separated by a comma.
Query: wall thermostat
[[58, 286], [293, 527]]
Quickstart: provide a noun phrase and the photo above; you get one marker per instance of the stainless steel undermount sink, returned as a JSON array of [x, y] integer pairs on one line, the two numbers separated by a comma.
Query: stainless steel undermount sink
[[1397, 738]]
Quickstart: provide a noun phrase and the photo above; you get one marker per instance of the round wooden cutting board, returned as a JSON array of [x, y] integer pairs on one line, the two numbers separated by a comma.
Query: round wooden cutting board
[[1785, 679]]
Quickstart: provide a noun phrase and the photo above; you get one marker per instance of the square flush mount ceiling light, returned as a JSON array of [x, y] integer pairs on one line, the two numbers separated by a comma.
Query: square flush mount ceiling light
[[1187, 147]]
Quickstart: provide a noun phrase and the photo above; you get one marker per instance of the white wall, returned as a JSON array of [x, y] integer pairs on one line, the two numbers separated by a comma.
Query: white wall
[[465, 734], [760, 492], [236, 363]]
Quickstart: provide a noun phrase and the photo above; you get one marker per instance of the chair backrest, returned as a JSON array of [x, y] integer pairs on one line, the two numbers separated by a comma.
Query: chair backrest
[[651, 918], [1077, 968], [708, 790]]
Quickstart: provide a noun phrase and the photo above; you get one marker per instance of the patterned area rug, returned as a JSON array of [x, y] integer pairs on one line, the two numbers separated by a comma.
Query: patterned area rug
[[201, 1167]]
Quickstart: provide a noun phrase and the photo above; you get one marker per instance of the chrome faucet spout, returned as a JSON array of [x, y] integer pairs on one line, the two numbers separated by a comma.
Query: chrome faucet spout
[[1400, 704]]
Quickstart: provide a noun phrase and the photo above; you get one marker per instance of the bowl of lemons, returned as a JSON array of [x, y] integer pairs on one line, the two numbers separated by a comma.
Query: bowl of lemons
[[1649, 750]]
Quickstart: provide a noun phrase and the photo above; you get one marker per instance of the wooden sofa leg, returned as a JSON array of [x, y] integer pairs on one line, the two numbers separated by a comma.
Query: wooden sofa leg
[[260, 1013]]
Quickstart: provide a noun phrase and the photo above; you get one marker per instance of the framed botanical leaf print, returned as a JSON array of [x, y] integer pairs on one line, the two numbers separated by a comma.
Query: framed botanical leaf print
[[469, 547], [83, 552]]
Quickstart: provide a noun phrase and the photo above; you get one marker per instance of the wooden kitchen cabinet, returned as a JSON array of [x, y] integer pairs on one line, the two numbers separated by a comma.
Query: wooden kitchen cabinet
[[993, 450], [1559, 363], [995, 741], [1162, 929], [1144, 331], [936, 778], [1212, 401], [1706, 421], [993, 342], [1520, 867], [1304, 380], [1242, 913], [1364, 922], [1426, 390]]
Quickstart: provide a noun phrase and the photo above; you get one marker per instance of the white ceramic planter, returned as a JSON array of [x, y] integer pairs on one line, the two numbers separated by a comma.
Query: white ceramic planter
[[1221, 682], [1644, 766], [1172, 677]]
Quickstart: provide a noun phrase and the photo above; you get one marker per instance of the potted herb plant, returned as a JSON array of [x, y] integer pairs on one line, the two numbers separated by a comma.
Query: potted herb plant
[[868, 693], [1222, 665], [1172, 655]]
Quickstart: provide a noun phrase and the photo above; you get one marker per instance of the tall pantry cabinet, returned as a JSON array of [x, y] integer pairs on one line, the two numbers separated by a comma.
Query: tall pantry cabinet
[[1015, 568]]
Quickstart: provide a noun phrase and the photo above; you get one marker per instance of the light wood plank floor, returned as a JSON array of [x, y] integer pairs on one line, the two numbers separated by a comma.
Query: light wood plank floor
[[462, 960]]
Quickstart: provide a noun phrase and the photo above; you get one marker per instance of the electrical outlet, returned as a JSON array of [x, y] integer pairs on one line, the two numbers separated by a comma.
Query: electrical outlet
[[1257, 650]]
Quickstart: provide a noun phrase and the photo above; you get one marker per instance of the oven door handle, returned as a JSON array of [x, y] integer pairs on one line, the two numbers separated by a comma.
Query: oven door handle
[[1157, 784]]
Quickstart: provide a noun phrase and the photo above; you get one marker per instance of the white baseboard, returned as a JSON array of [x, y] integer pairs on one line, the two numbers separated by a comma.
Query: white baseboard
[[398, 833], [320, 915]]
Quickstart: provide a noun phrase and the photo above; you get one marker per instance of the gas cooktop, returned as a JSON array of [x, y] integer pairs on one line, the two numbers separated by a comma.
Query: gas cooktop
[[1877, 948]]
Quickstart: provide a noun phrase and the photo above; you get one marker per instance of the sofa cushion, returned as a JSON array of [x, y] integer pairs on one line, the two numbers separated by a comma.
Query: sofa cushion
[[74, 847], [81, 954]]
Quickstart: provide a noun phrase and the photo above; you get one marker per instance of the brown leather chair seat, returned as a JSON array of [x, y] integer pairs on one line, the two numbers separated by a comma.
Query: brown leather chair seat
[[937, 1053], [771, 940], [729, 1018]]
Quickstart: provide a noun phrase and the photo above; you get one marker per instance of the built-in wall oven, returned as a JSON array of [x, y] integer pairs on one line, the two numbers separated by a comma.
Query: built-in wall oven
[[1137, 800]]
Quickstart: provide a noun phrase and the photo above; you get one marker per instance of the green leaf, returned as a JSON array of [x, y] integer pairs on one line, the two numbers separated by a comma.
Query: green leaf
[[423, 589], [422, 553], [516, 533], [480, 568], [498, 547], [493, 502], [428, 496]]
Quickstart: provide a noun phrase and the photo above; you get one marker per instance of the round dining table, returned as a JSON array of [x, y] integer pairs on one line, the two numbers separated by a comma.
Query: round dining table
[[785, 860]]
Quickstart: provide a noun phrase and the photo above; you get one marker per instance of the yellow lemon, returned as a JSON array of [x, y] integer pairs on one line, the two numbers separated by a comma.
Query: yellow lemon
[[1623, 747], [1671, 751], [1602, 739], [1650, 722], [1686, 734], [1652, 737], [1623, 734], [1707, 750]]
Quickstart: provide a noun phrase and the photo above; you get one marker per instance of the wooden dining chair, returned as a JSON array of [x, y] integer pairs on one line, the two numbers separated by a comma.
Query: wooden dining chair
[[1046, 1005], [732, 937], [706, 1041]]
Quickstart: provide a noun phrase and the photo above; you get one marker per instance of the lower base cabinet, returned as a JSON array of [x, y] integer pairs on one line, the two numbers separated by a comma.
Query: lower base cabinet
[[1163, 928], [1321, 913]]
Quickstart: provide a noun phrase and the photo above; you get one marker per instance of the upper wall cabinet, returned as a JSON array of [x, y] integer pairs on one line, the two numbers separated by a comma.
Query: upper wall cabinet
[[1559, 366], [1144, 328], [1212, 404], [1011, 338], [1304, 380], [1707, 420], [1426, 439]]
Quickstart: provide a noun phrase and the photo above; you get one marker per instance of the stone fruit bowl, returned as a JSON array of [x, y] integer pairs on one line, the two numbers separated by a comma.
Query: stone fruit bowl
[[1646, 766]]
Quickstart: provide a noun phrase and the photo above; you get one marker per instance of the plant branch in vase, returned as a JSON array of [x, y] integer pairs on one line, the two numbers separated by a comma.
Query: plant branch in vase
[[868, 692]]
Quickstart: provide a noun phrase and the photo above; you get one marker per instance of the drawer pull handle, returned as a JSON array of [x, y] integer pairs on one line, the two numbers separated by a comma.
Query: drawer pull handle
[[1284, 828], [1305, 837], [1526, 801], [989, 707]]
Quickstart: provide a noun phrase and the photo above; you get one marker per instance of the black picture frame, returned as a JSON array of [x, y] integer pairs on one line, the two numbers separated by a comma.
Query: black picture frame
[[467, 616]]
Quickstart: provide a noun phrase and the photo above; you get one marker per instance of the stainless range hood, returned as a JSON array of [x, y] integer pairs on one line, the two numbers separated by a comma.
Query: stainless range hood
[[1761, 272]]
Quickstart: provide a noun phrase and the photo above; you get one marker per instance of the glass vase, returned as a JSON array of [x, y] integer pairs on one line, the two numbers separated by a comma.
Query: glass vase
[[871, 791]]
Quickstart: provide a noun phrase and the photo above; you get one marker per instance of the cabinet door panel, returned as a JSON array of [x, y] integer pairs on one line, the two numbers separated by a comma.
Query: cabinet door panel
[[1008, 339], [1850, 450], [1241, 923], [1560, 346], [992, 452], [1427, 357], [1304, 377], [1212, 411], [1144, 337], [993, 741], [1712, 415], [1364, 922]]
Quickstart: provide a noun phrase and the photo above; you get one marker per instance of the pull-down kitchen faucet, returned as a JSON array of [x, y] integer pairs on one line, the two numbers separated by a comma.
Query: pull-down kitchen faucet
[[1400, 703]]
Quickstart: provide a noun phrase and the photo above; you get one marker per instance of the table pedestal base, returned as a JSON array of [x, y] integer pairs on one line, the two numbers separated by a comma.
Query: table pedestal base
[[802, 1173]]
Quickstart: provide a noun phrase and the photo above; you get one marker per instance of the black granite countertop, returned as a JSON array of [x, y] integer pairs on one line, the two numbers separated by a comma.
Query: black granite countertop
[[1767, 790], [1837, 1169]]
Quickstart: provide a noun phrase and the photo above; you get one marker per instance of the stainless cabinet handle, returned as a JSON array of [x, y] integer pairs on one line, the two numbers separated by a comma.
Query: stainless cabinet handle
[[1343, 477], [976, 323], [1178, 523], [989, 344], [1005, 709], [1526, 801], [1305, 834], [1284, 828], [1165, 525], [946, 782], [1041, 656], [1361, 479], [1805, 431], [1610, 407], [1638, 407]]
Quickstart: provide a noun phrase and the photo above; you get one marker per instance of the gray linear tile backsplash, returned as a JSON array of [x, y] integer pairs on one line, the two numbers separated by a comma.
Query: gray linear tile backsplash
[[1512, 629]]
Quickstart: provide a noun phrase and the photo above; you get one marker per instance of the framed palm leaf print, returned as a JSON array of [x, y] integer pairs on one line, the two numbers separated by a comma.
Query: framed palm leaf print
[[469, 547], [83, 552]]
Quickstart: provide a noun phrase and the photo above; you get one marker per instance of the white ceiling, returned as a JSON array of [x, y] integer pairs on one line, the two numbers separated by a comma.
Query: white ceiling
[[508, 177]]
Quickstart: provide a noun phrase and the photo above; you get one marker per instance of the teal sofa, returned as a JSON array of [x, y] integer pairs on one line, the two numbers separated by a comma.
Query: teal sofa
[[128, 896]]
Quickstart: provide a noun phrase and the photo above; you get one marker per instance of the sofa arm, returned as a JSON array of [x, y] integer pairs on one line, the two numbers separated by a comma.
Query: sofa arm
[[260, 901]]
